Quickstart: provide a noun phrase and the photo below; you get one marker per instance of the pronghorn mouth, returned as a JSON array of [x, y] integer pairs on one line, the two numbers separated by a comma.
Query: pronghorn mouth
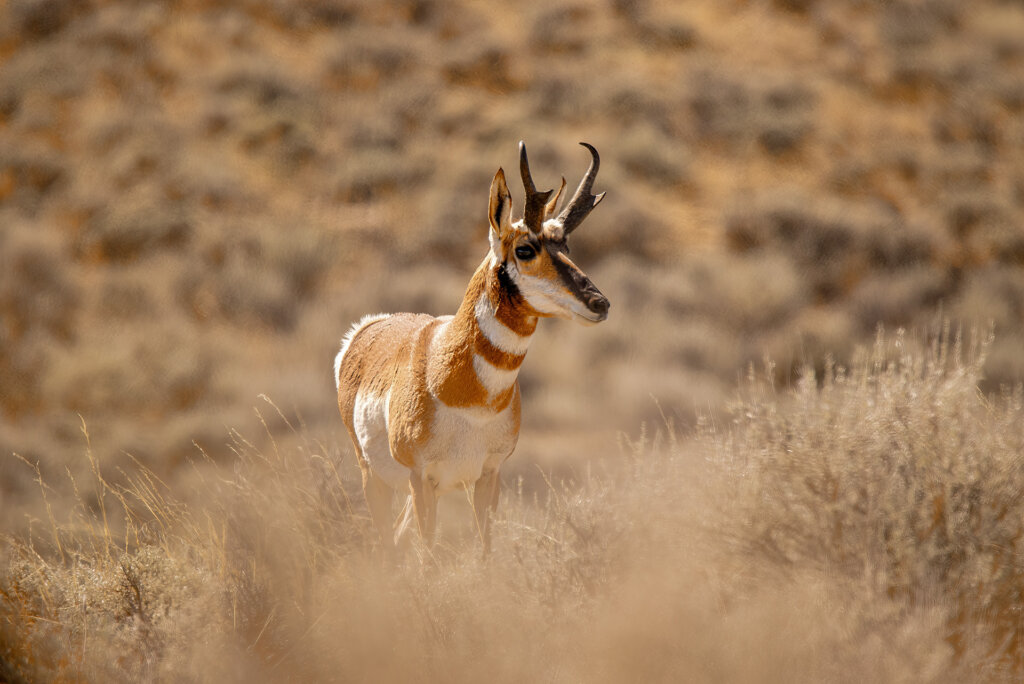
[[590, 318]]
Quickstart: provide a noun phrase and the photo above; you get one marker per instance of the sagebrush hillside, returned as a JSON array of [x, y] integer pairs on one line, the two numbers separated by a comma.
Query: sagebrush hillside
[[198, 198]]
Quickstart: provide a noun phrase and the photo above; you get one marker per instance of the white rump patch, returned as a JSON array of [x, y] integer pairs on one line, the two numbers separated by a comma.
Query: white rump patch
[[347, 340], [370, 421]]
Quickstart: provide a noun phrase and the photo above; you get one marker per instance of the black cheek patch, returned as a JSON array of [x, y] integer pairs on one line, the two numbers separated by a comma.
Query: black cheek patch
[[508, 286], [572, 278]]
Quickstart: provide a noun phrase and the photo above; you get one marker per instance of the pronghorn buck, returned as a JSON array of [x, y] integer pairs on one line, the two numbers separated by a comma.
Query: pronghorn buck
[[433, 404]]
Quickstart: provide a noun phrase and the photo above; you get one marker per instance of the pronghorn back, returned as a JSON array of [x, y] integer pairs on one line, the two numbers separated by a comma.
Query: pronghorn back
[[347, 340]]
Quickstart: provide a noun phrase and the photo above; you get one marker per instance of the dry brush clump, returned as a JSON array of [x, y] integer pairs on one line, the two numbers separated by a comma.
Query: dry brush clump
[[897, 474], [268, 569], [863, 526]]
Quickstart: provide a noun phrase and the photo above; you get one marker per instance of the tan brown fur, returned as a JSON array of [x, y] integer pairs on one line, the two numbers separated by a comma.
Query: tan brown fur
[[443, 393], [374, 369], [495, 356], [411, 408], [415, 370], [451, 376], [509, 308], [542, 266]]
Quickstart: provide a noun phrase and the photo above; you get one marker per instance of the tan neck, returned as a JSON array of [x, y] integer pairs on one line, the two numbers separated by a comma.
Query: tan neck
[[477, 356]]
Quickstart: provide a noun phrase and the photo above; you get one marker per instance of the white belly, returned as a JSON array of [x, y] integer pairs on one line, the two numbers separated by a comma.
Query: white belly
[[462, 443]]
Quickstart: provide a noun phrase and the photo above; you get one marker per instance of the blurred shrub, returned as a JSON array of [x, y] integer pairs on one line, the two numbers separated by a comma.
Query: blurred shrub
[[897, 297], [143, 223], [36, 292], [248, 296], [486, 67], [38, 19], [137, 372], [738, 110], [305, 15], [660, 31], [125, 299], [1001, 241], [23, 361], [907, 24], [813, 337], [375, 173], [985, 227], [833, 243], [995, 295], [451, 221], [366, 62], [561, 97], [259, 280], [39, 309], [263, 111], [562, 29], [626, 227], [972, 120], [29, 175], [898, 473], [1010, 92], [644, 114], [752, 292], [958, 168], [655, 158], [262, 84]]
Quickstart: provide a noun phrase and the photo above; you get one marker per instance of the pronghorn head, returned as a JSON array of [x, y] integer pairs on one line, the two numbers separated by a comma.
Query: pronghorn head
[[533, 252]]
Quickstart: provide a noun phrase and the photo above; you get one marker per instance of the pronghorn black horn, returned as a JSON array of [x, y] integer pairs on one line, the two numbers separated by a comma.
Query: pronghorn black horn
[[582, 203], [533, 213]]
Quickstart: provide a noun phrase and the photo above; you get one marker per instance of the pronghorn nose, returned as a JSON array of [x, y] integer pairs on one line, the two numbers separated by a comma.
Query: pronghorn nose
[[599, 305]]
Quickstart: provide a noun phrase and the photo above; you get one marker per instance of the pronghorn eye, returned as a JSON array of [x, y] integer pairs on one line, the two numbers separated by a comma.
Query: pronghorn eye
[[525, 252]]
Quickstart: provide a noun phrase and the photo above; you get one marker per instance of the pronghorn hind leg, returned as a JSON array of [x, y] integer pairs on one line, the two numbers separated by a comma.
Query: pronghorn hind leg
[[485, 503], [424, 505], [378, 500], [403, 519]]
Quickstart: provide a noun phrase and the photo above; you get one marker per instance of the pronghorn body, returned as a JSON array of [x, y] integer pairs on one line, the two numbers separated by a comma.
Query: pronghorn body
[[432, 404]]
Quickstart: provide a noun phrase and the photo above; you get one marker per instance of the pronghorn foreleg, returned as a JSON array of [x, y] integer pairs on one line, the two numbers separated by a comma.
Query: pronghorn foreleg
[[424, 505], [485, 503]]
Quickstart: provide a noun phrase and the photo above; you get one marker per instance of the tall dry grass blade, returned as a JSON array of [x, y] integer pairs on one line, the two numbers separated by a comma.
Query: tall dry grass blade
[[54, 528], [101, 484]]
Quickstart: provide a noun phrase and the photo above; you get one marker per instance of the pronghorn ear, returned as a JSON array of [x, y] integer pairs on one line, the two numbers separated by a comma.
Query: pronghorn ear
[[499, 208]]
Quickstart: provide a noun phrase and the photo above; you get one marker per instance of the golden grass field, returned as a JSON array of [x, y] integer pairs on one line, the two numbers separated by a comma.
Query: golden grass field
[[794, 452]]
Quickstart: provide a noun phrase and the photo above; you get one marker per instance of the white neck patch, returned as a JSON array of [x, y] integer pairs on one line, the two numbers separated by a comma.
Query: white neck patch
[[496, 332]]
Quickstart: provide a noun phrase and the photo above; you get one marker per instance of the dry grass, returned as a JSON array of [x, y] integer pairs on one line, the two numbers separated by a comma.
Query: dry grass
[[864, 525]]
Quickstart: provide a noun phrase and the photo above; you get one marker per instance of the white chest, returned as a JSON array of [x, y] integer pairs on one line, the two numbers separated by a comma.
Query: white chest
[[465, 440]]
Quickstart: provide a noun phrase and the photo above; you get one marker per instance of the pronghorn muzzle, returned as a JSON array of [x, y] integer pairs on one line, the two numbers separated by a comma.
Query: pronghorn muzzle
[[582, 287]]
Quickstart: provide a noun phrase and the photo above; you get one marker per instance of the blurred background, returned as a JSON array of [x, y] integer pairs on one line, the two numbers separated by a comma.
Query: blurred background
[[198, 198]]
